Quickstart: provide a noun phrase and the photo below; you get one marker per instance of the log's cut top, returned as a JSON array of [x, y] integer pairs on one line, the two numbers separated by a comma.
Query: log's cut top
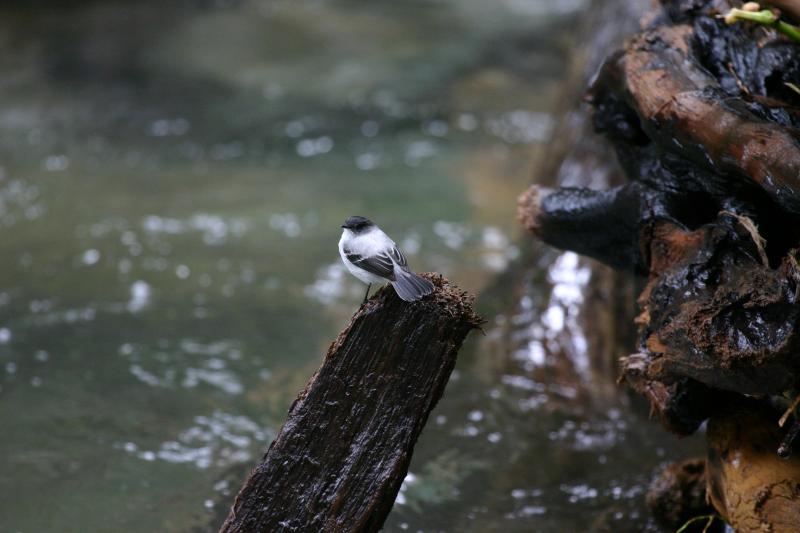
[[338, 462]]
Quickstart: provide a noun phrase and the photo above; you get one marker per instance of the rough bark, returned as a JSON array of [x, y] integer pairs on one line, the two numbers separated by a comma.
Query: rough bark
[[338, 462]]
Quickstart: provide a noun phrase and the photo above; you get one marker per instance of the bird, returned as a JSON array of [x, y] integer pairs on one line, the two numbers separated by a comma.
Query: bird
[[371, 256]]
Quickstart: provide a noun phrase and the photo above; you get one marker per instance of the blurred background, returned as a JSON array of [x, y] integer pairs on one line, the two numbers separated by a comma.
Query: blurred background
[[172, 181]]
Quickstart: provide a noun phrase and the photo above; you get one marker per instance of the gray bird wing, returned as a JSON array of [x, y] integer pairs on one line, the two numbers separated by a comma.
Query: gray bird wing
[[381, 264]]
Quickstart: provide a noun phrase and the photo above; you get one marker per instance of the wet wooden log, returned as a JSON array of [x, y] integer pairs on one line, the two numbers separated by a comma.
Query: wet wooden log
[[707, 128], [340, 457], [675, 101], [716, 312], [698, 132], [569, 218], [751, 487]]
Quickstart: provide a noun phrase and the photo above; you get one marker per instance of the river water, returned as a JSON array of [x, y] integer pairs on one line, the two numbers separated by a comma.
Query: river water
[[172, 181]]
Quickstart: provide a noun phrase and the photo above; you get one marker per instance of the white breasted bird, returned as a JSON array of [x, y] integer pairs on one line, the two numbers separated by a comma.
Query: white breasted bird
[[371, 256]]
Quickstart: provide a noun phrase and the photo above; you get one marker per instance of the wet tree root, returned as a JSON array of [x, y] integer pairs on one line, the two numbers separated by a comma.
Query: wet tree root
[[706, 127], [748, 484], [340, 457], [677, 495]]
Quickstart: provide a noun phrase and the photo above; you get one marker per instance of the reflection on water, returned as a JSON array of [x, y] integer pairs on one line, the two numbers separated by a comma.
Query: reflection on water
[[218, 440], [172, 180], [560, 327]]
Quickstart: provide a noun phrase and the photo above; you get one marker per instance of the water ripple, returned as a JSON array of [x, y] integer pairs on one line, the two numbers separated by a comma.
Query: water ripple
[[219, 440]]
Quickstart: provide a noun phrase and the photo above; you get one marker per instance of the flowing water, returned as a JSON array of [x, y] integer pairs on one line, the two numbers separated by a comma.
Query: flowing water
[[172, 181]]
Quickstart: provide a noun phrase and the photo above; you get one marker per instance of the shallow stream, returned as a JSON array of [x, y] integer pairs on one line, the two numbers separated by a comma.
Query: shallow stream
[[172, 181]]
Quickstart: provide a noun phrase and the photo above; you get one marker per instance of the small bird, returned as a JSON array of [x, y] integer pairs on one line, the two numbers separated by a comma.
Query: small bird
[[371, 256]]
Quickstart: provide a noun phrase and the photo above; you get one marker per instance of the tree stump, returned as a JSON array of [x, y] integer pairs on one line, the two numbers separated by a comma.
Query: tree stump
[[338, 461]]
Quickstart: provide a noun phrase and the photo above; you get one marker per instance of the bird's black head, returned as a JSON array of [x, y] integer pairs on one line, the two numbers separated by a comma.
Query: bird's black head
[[358, 224]]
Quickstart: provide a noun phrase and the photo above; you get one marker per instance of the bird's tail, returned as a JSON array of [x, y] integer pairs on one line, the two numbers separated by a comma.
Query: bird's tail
[[409, 286]]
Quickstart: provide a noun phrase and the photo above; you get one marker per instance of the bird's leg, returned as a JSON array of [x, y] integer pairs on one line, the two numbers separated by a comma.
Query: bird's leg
[[366, 294]]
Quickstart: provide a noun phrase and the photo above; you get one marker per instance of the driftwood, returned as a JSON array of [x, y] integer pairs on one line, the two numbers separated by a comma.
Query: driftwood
[[705, 124], [338, 462]]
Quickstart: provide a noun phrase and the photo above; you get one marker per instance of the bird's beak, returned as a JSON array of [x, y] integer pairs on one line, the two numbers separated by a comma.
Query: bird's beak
[[344, 226]]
